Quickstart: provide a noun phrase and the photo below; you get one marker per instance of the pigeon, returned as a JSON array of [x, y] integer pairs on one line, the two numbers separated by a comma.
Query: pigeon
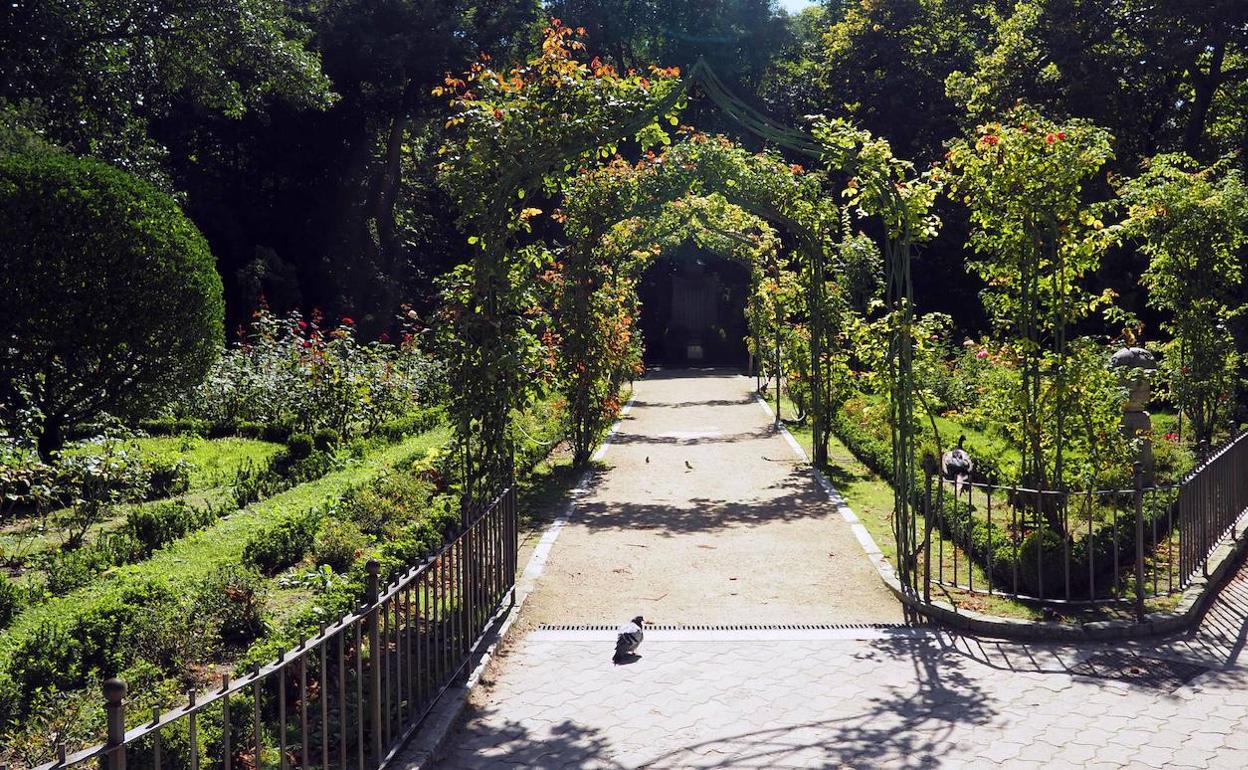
[[647, 458], [628, 639], [687, 465], [956, 465]]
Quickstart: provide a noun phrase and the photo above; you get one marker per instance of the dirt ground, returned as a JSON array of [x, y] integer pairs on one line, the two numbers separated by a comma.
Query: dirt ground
[[705, 517]]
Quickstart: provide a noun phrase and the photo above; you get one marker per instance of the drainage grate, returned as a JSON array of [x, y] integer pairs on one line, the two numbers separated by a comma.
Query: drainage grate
[[1127, 667], [788, 627]]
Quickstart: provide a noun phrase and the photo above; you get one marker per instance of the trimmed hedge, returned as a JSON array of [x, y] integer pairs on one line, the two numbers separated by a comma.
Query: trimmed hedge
[[88, 634], [420, 421]]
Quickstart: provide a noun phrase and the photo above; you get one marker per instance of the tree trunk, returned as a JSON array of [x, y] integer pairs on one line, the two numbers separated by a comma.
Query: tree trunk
[[1205, 85], [51, 439]]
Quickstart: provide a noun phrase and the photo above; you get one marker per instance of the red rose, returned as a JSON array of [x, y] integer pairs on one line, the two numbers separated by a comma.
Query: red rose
[[1061, 134], [346, 321], [1049, 139], [303, 324], [991, 139]]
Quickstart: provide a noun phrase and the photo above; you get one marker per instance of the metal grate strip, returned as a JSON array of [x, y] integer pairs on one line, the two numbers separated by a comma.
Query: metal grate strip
[[721, 627]]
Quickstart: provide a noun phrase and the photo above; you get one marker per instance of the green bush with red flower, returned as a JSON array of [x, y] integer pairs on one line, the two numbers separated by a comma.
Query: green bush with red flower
[[300, 372]]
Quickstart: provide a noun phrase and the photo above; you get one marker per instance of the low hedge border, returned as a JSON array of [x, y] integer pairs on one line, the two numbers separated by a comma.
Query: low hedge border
[[412, 424], [68, 641], [150, 528]]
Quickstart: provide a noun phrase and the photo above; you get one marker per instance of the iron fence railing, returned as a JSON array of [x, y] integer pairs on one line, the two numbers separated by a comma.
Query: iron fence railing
[[1052, 546], [348, 697], [1211, 500], [1090, 546]]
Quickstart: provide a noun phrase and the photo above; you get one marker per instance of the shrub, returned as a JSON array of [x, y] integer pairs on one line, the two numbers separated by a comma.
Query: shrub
[[388, 504], [326, 439], [1042, 563], [68, 570], [167, 477], [69, 650], [87, 246], [154, 527], [337, 543], [277, 432], [311, 375], [411, 424], [10, 601], [299, 445], [95, 482], [282, 545], [234, 598]]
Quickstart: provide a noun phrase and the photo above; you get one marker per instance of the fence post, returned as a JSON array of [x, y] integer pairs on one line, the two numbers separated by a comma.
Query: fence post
[[115, 712], [374, 646], [468, 573], [927, 539], [1138, 469]]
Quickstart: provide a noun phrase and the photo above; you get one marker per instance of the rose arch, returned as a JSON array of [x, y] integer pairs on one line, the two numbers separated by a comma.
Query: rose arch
[[533, 163]]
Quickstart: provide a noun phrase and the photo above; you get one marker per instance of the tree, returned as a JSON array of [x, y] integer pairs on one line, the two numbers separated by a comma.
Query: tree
[[112, 302], [1192, 223], [96, 74], [1023, 180]]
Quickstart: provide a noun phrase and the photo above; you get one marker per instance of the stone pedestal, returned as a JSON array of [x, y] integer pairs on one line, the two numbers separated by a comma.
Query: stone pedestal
[[1135, 366]]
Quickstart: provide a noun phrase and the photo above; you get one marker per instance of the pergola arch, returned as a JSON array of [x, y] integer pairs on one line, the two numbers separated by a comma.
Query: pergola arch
[[612, 265], [525, 130], [709, 168]]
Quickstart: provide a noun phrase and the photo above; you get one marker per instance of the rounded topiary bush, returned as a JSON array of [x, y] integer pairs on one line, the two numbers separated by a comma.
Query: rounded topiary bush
[[1042, 564], [112, 299]]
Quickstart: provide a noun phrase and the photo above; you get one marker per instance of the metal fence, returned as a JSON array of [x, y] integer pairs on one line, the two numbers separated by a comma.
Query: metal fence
[[348, 697], [1211, 500], [1106, 545], [1083, 547]]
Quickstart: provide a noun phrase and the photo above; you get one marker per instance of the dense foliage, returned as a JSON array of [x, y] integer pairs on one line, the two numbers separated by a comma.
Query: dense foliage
[[311, 376], [1024, 181], [1192, 222], [112, 301]]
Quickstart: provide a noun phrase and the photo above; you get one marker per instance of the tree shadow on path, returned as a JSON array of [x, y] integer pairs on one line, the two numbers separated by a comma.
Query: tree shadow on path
[[911, 726]]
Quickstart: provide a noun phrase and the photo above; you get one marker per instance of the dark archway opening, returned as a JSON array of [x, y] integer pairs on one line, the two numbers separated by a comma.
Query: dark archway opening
[[693, 309]]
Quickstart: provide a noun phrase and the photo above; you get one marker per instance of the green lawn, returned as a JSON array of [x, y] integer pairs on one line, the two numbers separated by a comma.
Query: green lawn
[[212, 461]]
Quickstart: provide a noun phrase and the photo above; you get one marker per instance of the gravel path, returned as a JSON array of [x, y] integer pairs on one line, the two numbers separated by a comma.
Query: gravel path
[[705, 516]]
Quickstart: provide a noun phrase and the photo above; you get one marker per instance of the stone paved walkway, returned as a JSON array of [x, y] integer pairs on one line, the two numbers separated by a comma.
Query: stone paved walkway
[[860, 697]]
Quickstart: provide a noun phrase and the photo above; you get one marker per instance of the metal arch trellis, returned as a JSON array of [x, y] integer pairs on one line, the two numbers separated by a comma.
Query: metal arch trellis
[[898, 279]]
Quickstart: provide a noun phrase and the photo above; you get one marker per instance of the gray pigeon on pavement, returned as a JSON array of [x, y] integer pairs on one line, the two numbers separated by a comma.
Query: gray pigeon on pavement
[[628, 639]]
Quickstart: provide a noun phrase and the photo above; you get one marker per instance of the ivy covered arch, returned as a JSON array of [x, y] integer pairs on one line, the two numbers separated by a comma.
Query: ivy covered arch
[[596, 303]]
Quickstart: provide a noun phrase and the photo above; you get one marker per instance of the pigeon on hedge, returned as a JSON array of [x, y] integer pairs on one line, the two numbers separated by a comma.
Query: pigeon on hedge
[[628, 639], [956, 465]]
